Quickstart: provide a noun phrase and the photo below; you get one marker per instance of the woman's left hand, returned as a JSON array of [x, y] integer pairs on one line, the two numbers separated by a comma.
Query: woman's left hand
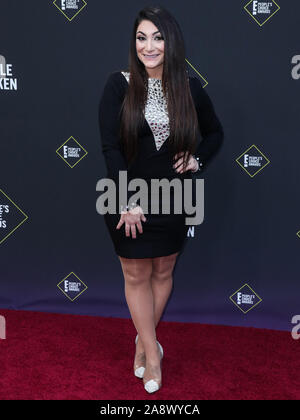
[[191, 165]]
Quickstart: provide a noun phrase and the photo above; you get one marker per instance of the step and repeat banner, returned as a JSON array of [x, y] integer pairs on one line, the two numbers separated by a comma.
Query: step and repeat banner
[[241, 265]]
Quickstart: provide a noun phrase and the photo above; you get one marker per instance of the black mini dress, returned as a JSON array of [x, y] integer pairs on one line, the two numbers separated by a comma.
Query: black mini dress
[[163, 234]]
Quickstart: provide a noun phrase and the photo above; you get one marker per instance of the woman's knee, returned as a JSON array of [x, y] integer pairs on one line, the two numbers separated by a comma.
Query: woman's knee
[[163, 267], [136, 271]]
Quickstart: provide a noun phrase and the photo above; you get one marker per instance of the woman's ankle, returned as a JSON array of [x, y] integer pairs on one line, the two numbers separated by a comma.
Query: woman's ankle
[[153, 356]]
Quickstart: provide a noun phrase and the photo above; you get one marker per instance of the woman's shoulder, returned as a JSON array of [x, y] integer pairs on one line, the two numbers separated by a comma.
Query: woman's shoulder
[[198, 92], [116, 82], [195, 83], [122, 75], [117, 76], [119, 80]]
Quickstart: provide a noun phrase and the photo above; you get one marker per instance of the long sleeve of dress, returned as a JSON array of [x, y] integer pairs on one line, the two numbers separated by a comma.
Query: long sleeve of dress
[[109, 123], [209, 125]]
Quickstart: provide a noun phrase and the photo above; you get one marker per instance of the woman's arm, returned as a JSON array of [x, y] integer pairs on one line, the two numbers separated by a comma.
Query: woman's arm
[[109, 123], [209, 126]]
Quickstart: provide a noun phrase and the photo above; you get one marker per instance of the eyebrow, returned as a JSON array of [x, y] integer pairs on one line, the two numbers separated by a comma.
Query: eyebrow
[[145, 34]]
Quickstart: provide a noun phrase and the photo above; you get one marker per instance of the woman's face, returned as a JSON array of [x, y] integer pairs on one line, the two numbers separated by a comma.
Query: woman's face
[[150, 47]]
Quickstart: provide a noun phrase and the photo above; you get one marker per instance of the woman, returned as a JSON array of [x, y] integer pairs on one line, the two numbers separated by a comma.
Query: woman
[[150, 118]]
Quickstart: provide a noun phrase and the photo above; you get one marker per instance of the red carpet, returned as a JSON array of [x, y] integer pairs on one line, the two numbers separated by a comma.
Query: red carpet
[[66, 357]]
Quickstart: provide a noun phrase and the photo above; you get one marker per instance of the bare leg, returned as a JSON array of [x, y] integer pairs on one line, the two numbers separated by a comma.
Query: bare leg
[[138, 291], [148, 283], [162, 282]]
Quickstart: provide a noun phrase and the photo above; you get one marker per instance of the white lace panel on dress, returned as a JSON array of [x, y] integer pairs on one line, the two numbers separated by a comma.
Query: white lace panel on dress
[[155, 111]]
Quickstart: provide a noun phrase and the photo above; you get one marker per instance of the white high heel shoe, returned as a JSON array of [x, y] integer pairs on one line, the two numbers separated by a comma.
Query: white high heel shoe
[[152, 385], [139, 372]]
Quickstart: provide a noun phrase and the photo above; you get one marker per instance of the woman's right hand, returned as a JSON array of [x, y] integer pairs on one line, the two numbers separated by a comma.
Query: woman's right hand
[[132, 218]]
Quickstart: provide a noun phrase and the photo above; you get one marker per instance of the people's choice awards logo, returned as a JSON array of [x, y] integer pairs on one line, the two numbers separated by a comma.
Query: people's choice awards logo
[[11, 216], [71, 152], [70, 8], [7, 81], [72, 286], [261, 11], [252, 160], [245, 298]]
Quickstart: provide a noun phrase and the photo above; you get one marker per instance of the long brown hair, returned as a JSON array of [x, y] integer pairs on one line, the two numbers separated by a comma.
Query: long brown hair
[[183, 120]]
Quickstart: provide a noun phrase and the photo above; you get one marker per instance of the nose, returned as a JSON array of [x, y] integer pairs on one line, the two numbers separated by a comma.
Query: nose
[[149, 48]]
